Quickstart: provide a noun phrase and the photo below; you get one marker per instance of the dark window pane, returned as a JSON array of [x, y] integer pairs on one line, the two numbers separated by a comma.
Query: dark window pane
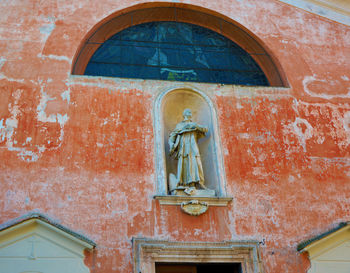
[[138, 55], [103, 69], [143, 32], [140, 72], [107, 53], [203, 36], [175, 51], [218, 60]]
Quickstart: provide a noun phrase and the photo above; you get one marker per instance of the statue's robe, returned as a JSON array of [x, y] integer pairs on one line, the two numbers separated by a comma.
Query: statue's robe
[[183, 141]]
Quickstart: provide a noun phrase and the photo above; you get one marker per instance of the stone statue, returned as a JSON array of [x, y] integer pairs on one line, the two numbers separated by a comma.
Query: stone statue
[[183, 145]]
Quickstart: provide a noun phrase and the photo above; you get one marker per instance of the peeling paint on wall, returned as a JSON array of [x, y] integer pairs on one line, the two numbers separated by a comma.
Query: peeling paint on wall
[[323, 93], [54, 57], [346, 123], [10, 124], [54, 118], [47, 29], [303, 129]]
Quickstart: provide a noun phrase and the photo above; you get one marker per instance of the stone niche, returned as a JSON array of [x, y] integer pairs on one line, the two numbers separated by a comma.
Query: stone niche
[[168, 112]]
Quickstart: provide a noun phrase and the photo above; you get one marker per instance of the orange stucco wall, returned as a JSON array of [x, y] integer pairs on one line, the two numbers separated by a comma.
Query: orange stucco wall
[[81, 150]]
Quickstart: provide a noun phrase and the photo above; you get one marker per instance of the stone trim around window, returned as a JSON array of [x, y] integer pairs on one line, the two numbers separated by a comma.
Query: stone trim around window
[[148, 252]]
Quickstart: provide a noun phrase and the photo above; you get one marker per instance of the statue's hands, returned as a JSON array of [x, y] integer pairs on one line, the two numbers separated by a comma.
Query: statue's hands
[[191, 126]]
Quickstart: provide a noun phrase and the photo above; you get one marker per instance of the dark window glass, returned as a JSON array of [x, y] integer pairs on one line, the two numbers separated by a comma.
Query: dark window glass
[[175, 51]]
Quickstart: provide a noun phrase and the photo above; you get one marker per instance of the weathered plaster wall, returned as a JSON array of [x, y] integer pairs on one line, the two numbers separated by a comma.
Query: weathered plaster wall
[[81, 149]]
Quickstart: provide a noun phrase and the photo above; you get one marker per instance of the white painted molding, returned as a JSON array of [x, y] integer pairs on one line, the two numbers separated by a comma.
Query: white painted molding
[[39, 245]]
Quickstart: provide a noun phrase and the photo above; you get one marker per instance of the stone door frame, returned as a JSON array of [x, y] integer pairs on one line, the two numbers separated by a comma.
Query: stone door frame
[[148, 252]]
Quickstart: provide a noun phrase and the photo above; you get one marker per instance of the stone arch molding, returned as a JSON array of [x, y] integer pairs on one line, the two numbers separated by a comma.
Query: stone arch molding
[[168, 110], [179, 12]]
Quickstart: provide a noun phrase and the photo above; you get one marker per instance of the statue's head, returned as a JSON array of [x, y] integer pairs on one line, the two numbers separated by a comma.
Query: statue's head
[[187, 113]]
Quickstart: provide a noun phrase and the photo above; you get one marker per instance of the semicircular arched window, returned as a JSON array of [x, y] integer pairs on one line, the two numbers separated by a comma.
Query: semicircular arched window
[[175, 51]]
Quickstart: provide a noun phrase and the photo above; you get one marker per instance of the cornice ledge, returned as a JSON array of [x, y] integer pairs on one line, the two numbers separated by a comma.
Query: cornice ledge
[[178, 200], [323, 8]]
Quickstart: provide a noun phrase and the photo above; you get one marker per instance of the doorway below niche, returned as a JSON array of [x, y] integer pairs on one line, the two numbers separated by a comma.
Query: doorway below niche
[[198, 267], [149, 254]]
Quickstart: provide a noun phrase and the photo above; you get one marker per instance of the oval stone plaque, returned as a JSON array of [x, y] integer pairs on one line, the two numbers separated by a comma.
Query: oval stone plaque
[[194, 207]]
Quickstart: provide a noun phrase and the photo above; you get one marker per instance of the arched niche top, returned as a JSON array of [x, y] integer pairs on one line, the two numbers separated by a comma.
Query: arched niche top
[[177, 12], [168, 110]]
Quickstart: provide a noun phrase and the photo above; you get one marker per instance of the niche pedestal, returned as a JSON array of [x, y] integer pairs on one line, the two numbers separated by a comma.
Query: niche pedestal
[[183, 191]]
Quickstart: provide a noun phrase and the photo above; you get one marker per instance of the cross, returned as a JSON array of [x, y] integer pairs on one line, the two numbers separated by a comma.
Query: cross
[[32, 255]]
